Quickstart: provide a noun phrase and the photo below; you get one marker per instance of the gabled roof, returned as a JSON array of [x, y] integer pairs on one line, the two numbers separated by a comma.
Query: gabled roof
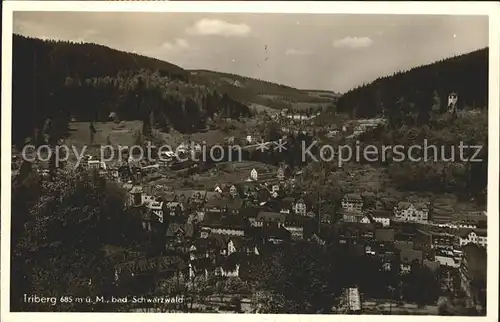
[[417, 205], [218, 220], [295, 220], [136, 189], [266, 216], [276, 233], [174, 228], [381, 214], [216, 203], [353, 196], [464, 232]]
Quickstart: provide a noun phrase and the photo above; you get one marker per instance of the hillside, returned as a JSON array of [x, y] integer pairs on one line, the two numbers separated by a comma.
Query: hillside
[[89, 82], [423, 87], [323, 94], [259, 92]]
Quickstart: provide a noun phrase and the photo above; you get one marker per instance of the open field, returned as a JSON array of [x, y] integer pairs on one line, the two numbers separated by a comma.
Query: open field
[[322, 94], [230, 172], [308, 105], [119, 134]]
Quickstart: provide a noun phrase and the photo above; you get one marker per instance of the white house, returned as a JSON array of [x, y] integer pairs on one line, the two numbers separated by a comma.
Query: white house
[[231, 248], [412, 212], [477, 236], [228, 273], [383, 218], [156, 207], [233, 191], [352, 202], [300, 207], [254, 175], [452, 102], [96, 164]]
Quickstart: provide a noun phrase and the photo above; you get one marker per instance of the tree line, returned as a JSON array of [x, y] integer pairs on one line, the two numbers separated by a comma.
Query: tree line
[[60, 80], [416, 91]]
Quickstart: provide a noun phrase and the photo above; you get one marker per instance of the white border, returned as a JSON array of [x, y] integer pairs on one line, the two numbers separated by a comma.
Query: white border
[[490, 9]]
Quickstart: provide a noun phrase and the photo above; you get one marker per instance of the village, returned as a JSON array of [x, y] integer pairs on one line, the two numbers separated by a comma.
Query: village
[[212, 225]]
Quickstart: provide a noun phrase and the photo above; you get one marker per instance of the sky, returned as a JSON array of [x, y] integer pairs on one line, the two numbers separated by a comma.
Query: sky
[[321, 51]]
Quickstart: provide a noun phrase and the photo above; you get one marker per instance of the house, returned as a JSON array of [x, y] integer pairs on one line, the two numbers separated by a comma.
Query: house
[[352, 201], [473, 275], [156, 207], [300, 207], [317, 239], [216, 205], [295, 225], [276, 235], [442, 240], [135, 195], [353, 216], [266, 218], [96, 164], [358, 129], [198, 196], [283, 172], [411, 212], [179, 235], [286, 205], [148, 265], [220, 271], [452, 102], [254, 175], [233, 191], [233, 245], [234, 206], [472, 236], [146, 217], [173, 208], [216, 223], [382, 217], [472, 220], [409, 257]]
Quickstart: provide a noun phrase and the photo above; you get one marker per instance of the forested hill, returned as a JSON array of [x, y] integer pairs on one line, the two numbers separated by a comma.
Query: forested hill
[[56, 81], [421, 87]]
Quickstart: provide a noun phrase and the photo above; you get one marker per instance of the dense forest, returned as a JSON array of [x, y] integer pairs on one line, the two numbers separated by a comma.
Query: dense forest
[[257, 91], [58, 81], [466, 75]]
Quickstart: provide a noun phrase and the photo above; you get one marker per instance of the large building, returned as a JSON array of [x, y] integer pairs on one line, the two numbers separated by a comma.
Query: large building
[[473, 275], [352, 202], [473, 236], [412, 212]]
